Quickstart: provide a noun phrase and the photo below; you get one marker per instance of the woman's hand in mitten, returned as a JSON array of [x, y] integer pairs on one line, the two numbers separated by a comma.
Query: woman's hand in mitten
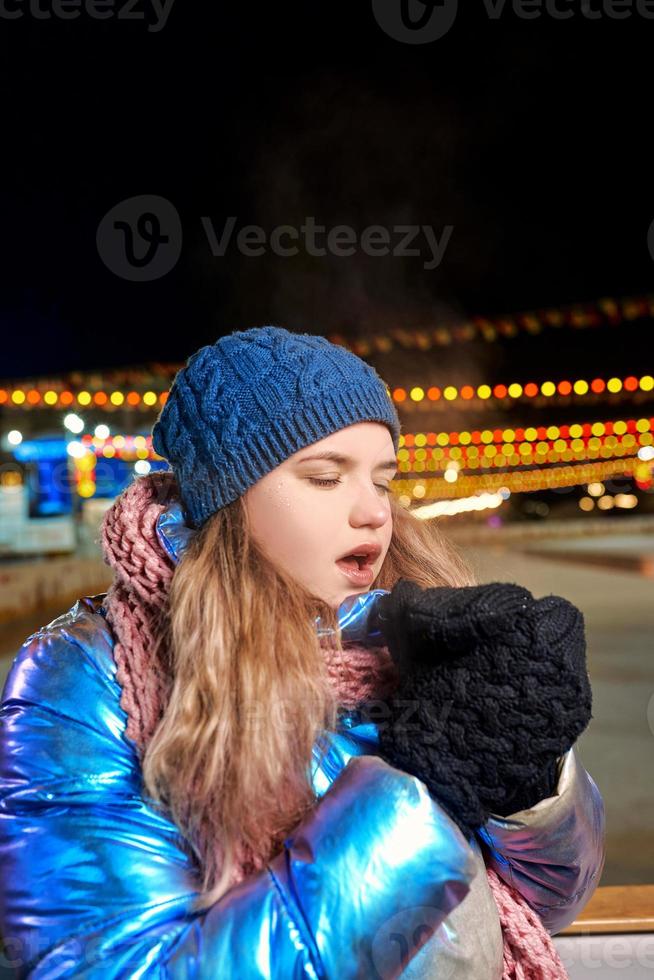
[[493, 690], [424, 625]]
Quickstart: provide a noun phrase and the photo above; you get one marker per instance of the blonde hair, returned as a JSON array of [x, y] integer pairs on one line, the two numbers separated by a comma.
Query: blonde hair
[[239, 634]]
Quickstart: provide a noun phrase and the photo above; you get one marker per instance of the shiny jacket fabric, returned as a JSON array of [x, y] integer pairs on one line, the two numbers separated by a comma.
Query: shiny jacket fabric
[[376, 882]]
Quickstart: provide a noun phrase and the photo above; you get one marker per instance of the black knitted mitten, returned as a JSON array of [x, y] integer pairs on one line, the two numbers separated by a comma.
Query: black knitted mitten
[[493, 690]]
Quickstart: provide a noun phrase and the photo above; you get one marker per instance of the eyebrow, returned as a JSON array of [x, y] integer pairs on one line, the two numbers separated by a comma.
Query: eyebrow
[[387, 464]]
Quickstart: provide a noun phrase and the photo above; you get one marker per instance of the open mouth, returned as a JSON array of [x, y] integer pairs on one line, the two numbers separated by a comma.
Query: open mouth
[[365, 553], [358, 566], [355, 561]]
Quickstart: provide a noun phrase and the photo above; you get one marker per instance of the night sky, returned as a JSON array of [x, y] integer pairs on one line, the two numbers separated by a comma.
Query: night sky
[[529, 138]]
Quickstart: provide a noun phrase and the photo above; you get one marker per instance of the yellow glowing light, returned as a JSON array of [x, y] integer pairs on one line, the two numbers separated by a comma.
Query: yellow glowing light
[[85, 463], [626, 500], [484, 391], [18, 397], [450, 393], [416, 394], [117, 398], [614, 384], [50, 398], [84, 397], [548, 388], [580, 387]]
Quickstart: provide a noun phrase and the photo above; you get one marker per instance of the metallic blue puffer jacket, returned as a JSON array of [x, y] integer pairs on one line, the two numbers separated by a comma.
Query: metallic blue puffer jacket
[[376, 882]]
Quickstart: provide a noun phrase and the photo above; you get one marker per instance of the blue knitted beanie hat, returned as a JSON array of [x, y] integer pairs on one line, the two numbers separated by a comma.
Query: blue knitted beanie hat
[[243, 405]]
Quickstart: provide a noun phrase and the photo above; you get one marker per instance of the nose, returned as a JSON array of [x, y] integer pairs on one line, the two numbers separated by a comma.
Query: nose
[[368, 507]]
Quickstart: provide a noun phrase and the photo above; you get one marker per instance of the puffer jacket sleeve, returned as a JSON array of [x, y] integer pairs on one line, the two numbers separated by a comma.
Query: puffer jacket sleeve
[[553, 853], [94, 881]]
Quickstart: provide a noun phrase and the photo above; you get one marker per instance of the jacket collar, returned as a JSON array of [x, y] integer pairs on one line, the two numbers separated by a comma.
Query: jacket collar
[[174, 535]]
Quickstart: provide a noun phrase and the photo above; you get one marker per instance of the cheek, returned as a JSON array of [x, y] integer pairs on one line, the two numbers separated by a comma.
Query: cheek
[[282, 523]]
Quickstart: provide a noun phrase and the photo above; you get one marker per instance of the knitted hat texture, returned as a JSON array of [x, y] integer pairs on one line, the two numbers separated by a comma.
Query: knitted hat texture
[[243, 405]]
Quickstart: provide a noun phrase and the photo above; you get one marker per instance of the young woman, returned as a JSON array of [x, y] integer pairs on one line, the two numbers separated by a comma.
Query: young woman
[[294, 738]]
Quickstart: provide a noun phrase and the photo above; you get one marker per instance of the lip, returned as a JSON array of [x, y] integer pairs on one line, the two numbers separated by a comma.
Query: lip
[[364, 575], [360, 577], [371, 550]]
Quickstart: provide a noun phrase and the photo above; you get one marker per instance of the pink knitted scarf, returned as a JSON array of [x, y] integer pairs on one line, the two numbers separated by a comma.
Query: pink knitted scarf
[[134, 605]]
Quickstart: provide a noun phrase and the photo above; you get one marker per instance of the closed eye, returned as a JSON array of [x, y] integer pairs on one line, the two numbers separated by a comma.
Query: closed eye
[[331, 483]]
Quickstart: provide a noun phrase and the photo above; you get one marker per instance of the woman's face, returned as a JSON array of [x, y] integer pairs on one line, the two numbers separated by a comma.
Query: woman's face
[[308, 513]]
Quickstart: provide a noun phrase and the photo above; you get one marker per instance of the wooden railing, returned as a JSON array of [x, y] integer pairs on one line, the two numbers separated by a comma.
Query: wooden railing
[[616, 908]]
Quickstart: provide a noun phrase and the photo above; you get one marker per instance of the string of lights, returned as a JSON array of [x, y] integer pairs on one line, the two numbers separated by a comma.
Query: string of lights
[[65, 398], [552, 452], [574, 430], [479, 395], [515, 391], [578, 316], [538, 478]]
